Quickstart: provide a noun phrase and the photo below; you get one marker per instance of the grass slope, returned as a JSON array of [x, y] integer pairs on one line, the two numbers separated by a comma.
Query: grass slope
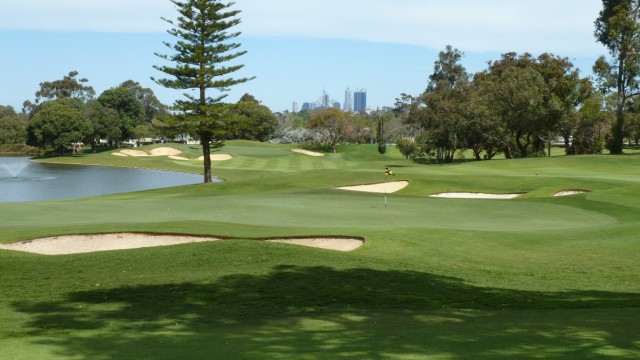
[[535, 277]]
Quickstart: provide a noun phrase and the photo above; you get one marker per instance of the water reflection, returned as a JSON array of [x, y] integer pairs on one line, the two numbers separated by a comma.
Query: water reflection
[[23, 180]]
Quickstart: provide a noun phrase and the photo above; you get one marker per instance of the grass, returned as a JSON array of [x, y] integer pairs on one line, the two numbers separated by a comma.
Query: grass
[[536, 277]]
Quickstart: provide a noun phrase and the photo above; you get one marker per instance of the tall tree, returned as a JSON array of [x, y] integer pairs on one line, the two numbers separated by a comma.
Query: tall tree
[[59, 124], [152, 106], [201, 50], [618, 29], [331, 122], [129, 109], [70, 86], [442, 114], [249, 120]]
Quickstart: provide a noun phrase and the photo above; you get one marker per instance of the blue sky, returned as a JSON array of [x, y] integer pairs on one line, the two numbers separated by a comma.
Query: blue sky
[[296, 49]]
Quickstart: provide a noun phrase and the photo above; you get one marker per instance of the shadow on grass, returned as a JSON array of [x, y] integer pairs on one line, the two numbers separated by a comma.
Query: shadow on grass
[[319, 312]]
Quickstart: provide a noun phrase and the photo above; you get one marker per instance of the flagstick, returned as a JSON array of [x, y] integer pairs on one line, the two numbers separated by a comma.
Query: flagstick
[[385, 191]]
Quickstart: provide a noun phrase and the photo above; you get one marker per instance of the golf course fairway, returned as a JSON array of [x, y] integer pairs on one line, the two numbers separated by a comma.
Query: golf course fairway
[[534, 277]]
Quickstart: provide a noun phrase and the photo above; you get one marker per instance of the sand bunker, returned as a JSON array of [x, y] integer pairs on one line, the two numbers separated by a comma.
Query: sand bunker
[[380, 188], [338, 244], [218, 157], [119, 154], [78, 244], [165, 151], [134, 153], [307, 152], [180, 158], [466, 195], [569, 192]]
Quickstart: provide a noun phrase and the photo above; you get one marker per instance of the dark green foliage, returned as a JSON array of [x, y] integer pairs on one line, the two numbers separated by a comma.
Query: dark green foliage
[[6, 111], [152, 107], [441, 116], [249, 120], [201, 51], [105, 123], [58, 125], [129, 109], [13, 127], [380, 136]]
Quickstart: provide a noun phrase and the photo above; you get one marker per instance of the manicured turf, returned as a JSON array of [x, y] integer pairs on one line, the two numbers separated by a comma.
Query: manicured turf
[[534, 277]]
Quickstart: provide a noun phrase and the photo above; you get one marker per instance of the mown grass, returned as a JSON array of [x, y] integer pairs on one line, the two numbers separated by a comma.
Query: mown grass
[[535, 277]]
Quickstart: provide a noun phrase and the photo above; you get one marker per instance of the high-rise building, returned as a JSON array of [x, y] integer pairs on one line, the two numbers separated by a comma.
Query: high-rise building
[[360, 101], [294, 108], [348, 100], [325, 101]]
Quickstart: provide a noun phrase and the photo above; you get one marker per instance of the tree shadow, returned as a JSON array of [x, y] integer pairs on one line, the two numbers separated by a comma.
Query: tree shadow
[[319, 312]]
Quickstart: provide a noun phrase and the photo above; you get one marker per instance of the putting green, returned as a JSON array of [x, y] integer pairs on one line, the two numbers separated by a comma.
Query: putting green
[[330, 211]]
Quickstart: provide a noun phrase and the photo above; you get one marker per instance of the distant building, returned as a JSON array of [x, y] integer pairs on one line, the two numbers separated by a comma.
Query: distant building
[[348, 100], [294, 107], [307, 106], [325, 101], [336, 105], [360, 101]]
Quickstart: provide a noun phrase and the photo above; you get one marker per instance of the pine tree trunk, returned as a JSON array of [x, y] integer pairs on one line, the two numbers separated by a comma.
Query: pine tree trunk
[[206, 152]]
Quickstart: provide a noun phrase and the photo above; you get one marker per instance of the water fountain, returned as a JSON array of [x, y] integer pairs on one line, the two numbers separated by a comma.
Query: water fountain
[[14, 166]]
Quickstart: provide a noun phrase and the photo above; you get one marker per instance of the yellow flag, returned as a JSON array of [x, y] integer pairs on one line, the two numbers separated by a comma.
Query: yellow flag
[[388, 172]]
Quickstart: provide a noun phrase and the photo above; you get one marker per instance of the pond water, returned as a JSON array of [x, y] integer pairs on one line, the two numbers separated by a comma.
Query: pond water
[[23, 180]]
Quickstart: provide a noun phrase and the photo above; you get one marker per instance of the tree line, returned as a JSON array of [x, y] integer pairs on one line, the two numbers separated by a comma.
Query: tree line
[[66, 113]]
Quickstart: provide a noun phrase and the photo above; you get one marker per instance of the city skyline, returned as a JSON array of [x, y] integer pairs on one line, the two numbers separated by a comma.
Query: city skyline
[[350, 103]]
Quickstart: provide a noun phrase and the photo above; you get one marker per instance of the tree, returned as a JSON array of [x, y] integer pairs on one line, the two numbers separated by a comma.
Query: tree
[[59, 124], [441, 115], [13, 129], [618, 29], [201, 50], [249, 120], [7, 111], [129, 109], [67, 87], [380, 138], [152, 107], [331, 122], [105, 124]]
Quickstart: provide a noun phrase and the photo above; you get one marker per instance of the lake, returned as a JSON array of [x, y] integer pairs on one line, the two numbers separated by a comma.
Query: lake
[[23, 180]]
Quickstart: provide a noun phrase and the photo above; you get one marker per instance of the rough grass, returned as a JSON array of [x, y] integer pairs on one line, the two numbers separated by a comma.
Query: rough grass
[[535, 277]]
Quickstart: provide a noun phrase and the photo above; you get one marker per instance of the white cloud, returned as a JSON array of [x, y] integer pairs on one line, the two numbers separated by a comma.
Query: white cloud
[[560, 26]]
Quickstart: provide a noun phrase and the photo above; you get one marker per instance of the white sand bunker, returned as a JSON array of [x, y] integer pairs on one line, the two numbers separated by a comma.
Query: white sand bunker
[[218, 157], [307, 152], [467, 195], [338, 244], [165, 151], [134, 153], [569, 192], [179, 158], [78, 244], [161, 151], [380, 188]]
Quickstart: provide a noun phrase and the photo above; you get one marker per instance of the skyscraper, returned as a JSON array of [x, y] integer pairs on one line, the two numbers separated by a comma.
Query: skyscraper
[[359, 101], [348, 100]]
